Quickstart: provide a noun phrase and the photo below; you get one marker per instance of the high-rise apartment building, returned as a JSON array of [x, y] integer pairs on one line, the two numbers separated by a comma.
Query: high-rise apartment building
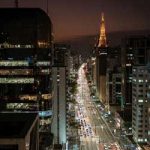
[[135, 83], [141, 104], [135, 52]]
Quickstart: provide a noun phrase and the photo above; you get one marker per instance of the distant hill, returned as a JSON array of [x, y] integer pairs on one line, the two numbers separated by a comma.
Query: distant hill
[[85, 44]]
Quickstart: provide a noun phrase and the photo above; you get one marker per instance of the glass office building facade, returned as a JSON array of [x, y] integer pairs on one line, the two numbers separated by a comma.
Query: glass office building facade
[[25, 62]]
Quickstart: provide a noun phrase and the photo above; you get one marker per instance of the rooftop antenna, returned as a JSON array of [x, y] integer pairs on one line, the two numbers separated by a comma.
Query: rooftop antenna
[[102, 38]]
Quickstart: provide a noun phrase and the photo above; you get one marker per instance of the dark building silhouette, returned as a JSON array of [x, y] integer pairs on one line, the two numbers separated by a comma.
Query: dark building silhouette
[[25, 62], [113, 90], [134, 52], [19, 131], [25, 26], [135, 84], [101, 63]]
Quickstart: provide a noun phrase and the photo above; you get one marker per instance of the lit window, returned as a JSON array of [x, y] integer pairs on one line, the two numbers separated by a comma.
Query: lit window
[[134, 80], [43, 63], [140, 140], [140, 80], [134, 70], [140, 100], [128, 64]]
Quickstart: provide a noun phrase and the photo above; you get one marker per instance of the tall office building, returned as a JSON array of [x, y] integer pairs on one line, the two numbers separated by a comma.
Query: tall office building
[[60, 79], [93, 71], [113, 89], [135, 52], [113, 80], [25, 62], [101, 63], [141, 104], [136, 84]]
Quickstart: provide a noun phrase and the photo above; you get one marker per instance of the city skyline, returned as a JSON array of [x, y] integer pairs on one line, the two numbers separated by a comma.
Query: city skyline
[[72, 102], [76, 18]]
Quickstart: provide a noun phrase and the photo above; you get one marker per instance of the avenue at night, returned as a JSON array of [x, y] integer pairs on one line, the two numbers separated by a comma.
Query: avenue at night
[[74, 75]]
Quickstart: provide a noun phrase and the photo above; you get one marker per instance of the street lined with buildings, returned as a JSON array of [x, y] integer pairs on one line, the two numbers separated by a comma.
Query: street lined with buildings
[[48, 100], [94, 133]]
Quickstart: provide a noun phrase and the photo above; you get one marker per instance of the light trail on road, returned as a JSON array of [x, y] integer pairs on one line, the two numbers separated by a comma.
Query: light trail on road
[[94, 133]]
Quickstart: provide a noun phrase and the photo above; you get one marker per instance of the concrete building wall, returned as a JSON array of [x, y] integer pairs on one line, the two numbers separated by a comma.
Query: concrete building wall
[[23, 143], [54, 124], [62, 105], [59, 105]]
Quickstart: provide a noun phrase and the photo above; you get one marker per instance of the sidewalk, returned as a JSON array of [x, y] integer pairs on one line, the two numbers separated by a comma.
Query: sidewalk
[[123, 140]]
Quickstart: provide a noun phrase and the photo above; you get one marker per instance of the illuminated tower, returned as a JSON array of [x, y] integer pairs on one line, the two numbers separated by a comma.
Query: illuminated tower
[[101, 63], [102, 38]]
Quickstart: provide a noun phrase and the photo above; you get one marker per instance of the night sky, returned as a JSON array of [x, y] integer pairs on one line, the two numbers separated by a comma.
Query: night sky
[[82, 17]]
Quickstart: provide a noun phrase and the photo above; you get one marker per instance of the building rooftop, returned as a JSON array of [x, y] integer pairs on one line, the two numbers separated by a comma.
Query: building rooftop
[[24, 26], [15, 125]]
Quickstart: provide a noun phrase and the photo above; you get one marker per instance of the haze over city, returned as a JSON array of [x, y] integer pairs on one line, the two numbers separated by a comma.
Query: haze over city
[[74, 75], [73, 18]]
